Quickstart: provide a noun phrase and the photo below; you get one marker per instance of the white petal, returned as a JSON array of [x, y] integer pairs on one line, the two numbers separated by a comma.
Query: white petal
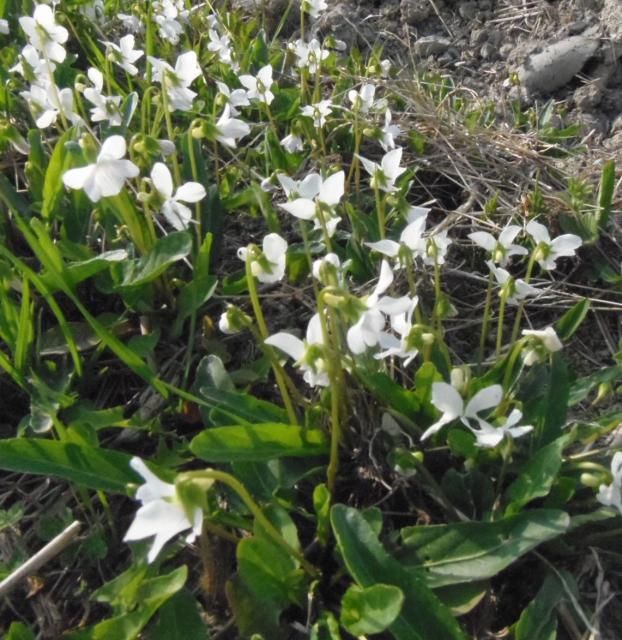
[[113, 148], [447, 400], [154, 488], [76, 178], [538, 232], [190, 192], [274, 247], [177, 214], [332, 189], [314, 329], [506, 237], [484, 240], [301, 208], [310, 186], [385, 279], [394, 306], [162, 180], [289, 344], [386, 247], [484, 399], [566, 245]]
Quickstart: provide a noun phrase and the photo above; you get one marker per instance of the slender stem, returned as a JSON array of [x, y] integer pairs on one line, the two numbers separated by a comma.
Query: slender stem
[[379, 211], [485, 321], [255, 509], [263, 331], [500, 322], [521, 306], [437, 296], [169, 127], [195, 177], [335, 393]]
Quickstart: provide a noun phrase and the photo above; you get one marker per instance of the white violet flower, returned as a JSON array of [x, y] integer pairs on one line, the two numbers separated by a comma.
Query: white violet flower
[[176, 81], [610, 495], [161, 514], [44, 34], [258, 87], [384, 175], [540, 343], [269, 266], [107, 175], [318, 111], [547, 251], [514, 289], [177, 214], [124, 53], [230, 129], [500, 250], [389, 132]]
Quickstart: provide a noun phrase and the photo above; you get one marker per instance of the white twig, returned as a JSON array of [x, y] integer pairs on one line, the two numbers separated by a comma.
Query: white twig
[[51, 549]]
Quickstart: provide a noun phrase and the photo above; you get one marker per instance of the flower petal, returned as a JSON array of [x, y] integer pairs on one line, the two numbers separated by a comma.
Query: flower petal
[[484, 399], [190, 192], [289, 344], [162, 180]]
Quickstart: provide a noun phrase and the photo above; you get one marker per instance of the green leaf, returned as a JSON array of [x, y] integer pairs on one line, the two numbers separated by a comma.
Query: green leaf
[[88, 466], [53, 187], [167, 250], [152, 595], [538, 621], [258, 442], [606, 191], [19, 631], [423, 616], [538, 475], [192, 297], [567, 325], [557, 400], [464, 597], [179, 619], [393, 395], [581, 388], [371, 609], [242, 407], [467, 551]]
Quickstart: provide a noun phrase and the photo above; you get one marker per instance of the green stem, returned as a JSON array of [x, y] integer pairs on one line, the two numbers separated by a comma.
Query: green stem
[[263, 331], [379, 212], [485, 321], [255, 509], [169, 128], [500, 322], [521, 306]]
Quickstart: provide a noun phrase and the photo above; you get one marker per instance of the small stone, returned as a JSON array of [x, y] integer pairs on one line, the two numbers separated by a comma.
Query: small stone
[[611, 18], [414, 11], [589, 95], [488, 51], [478, 36], [556, 64], [431, 46], [467, 10]]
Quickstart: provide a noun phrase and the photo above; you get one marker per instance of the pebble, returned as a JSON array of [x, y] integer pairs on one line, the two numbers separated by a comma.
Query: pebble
[[414, 11], [431, 46], [556, 64]]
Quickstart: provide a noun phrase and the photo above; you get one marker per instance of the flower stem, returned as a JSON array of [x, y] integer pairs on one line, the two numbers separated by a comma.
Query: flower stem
[[521, 306], [500, 322], [255, 509], [263, 331], [485, 321], [380, 212], [169, 129]]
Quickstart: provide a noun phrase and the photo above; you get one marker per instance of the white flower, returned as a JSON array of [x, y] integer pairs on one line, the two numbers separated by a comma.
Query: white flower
[[447, 400], [258, 87], [124, 53], [131, 23], [309, 55], [308, 354], [107, 175], [489, 436], [292, 143], [384, 175], [540, 344], [220, 45], [323, 267], [313, 7], [48, 102], [235, 98], [269, 266], [611, 494], [317, 197], [176, 81], [411, 237], [547, 251], [44, 34], [33, 68], [363, 99], [104, 108], [318, 111], [514, 289], [230, 129], [166, 14], [368, 330], [411, 337], [178, 215], [162, 514], [500, 250], [4, 27], [389, 132]]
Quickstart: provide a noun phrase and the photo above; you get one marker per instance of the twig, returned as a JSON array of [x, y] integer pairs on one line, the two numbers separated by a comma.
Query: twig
[[51, 549]]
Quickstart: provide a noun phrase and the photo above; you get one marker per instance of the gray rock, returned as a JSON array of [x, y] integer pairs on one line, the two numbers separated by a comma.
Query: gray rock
[[589, 95], [489, 51], [467, 10], [414, 11], [556, 64], [478, 36], [431, 46], [611, 18]]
